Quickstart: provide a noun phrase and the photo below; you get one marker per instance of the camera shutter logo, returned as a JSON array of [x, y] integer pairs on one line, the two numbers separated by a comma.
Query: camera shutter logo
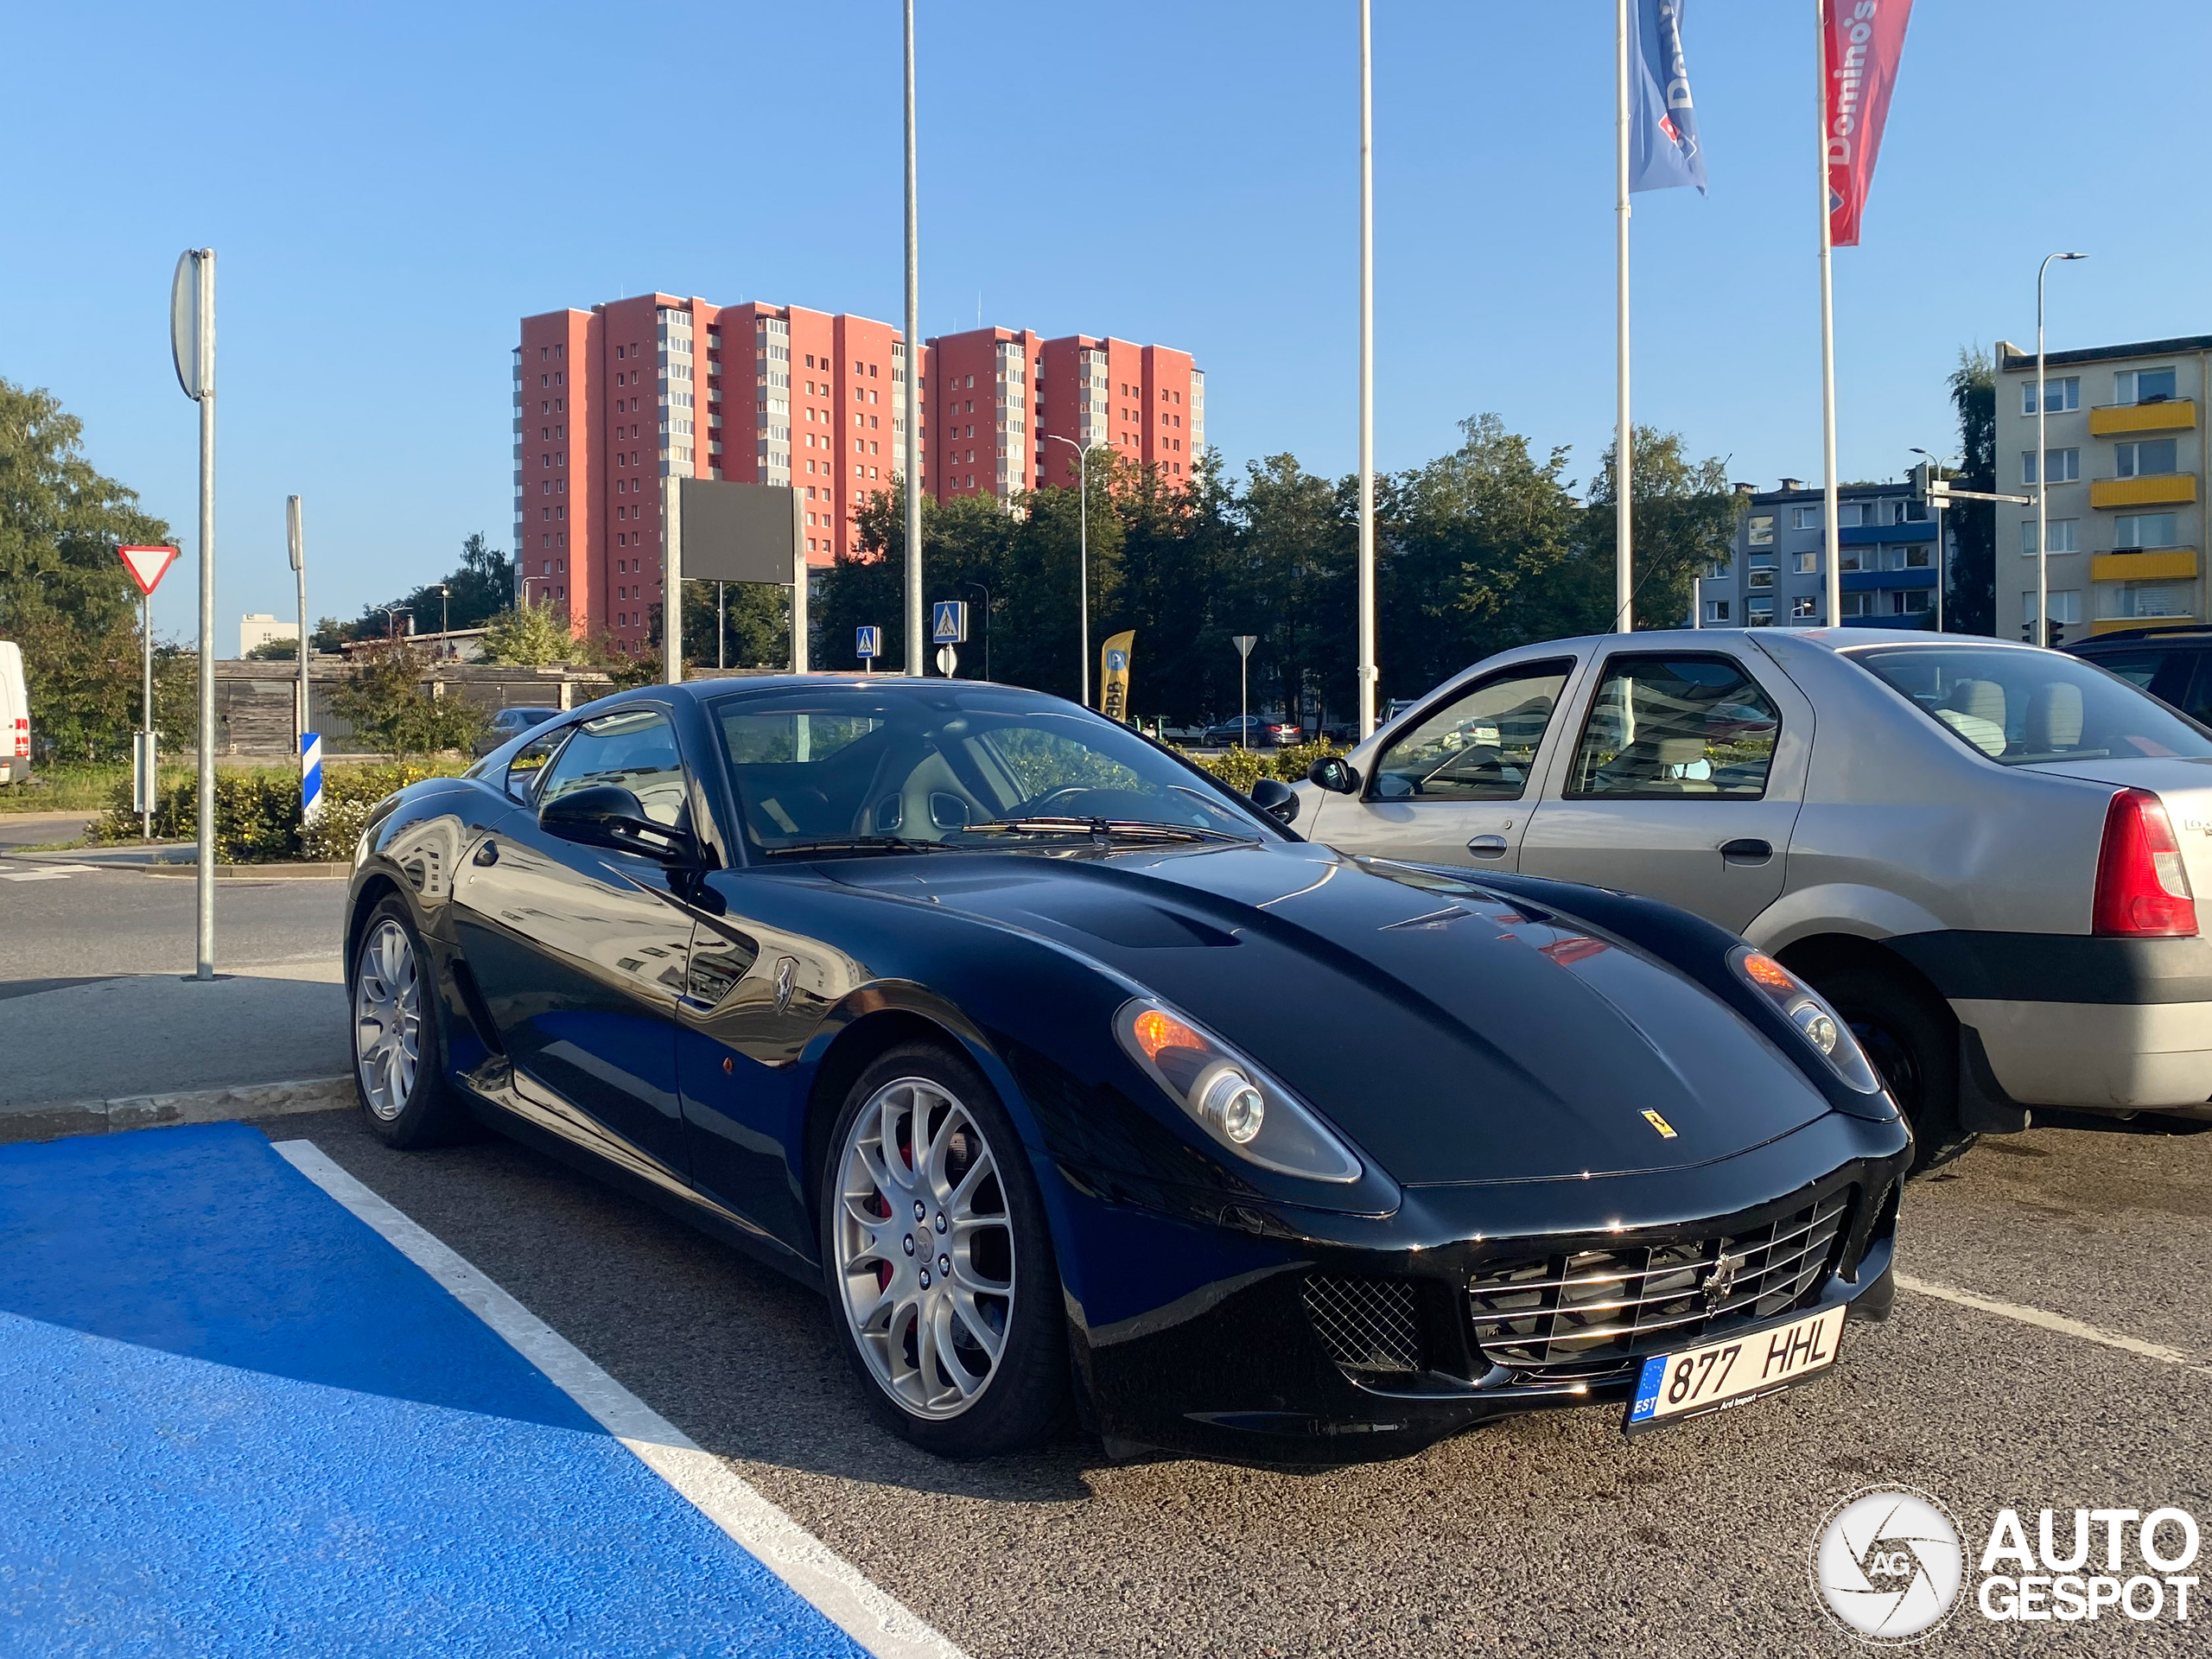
[[1887, 1564]]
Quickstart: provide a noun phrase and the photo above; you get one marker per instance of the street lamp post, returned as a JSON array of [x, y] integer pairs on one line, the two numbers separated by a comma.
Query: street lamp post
[[1943, 552], [2042, 464], [1082, 556], [445, 620]]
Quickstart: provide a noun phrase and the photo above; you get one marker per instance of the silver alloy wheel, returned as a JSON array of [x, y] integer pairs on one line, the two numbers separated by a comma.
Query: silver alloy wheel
[[387, 1018], [925, 1247]]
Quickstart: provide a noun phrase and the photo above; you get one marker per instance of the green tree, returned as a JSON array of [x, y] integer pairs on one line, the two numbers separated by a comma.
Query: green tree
[[64, 595], [477, 589], [275, 650], [1684, 520], [755, 625], [1971, 607], [384, 698], [530, 636]]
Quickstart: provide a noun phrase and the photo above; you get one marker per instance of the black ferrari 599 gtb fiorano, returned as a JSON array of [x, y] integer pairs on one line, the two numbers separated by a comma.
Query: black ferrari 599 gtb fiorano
[[1087, 1091]]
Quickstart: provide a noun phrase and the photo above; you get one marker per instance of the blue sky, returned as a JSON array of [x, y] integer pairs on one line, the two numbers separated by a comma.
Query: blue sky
[[1156, 169]]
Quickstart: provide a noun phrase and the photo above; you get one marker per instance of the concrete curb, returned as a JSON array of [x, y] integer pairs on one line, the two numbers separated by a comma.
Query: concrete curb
[[241, 871], [193, 1106]]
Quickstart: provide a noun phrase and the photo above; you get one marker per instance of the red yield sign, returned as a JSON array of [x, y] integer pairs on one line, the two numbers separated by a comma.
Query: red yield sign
[[148, 565]]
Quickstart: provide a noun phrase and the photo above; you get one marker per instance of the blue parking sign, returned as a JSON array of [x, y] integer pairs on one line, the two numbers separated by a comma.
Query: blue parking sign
[[868, 643], [949, 622]]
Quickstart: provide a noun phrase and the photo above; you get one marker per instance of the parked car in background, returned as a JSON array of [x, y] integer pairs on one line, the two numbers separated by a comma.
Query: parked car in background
[[1985, 854], [997, 1025], [1251, 732], [15, 715], [510, 723], [2173, 665]]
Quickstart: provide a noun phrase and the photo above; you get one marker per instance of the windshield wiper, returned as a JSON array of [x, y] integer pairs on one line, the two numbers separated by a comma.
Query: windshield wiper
[[1103, 830], [856, 844]]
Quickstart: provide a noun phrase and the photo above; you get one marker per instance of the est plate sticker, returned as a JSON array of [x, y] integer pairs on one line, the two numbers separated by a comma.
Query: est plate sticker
[[1734, 1372]]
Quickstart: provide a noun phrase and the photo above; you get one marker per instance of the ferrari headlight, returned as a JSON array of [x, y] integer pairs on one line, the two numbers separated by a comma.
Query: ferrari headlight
[[1818, 1024], [1229, 1098]]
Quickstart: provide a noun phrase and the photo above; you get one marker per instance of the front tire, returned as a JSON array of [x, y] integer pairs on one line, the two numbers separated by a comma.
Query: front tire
[[1915, 1050], [944, 1294], [399, 1058]]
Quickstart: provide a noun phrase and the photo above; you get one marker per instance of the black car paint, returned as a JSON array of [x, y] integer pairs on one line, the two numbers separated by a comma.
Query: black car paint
[[1480, 1041]]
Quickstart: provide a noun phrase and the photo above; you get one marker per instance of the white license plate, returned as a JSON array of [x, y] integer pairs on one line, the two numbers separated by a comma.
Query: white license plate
[[1734, 1372]]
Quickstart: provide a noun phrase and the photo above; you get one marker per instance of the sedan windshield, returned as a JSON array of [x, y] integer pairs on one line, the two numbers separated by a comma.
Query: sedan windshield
[[2021, 708], [852, 768]]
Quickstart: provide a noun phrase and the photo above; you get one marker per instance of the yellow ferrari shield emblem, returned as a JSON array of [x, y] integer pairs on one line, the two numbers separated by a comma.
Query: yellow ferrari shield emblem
[[1665, 1129]]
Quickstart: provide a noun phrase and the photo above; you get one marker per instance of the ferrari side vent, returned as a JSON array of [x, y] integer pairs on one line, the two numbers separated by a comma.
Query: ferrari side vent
[[1366, 1325]]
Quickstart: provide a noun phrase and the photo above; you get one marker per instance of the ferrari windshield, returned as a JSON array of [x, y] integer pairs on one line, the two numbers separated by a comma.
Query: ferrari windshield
[[945, 765], [2021, 707]]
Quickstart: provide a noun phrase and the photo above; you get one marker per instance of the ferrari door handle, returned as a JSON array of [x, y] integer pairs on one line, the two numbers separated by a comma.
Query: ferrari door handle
[[1747, 850], [487, 854], [1487, 846]]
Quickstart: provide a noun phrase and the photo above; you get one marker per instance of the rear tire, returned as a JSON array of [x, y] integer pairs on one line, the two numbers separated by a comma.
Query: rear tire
[[399, 1075], [919, 1303], [1915, 1047]]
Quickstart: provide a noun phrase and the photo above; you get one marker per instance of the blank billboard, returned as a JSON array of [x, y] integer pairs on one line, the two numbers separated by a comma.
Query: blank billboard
[[737, 532]]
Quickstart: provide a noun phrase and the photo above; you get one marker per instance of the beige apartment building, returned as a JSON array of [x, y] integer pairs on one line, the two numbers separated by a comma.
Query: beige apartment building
[[2126, 459]]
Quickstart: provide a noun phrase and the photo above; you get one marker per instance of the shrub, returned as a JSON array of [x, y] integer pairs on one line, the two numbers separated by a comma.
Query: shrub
[[1241, 768], [258, 813]]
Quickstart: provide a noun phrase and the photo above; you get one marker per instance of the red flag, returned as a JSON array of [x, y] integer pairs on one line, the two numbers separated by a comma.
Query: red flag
[[1860, 43]]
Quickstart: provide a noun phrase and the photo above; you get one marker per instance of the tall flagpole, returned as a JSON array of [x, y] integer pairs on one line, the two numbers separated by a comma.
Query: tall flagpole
[[1831, 563], [1623, 434], [1368, 672], [914, 359]]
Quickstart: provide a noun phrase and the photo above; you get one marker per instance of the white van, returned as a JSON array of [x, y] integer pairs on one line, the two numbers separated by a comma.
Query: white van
[[15, 715]]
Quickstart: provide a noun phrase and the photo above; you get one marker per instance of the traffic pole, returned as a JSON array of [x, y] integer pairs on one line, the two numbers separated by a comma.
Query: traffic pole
[[146, 737], [204, 968]]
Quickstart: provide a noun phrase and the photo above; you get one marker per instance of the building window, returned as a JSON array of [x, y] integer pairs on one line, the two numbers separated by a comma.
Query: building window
[[2147, 458], [2065, 536], [2143, 386], [1804, 518], [2065, 605], [2131, 600], [1762, 531], [2134, 530], [1762, 578], [1804, 608], [1717, 610], [1806, 564], [2061, 394], [1850, 558], [2065, 466], [1759, 613], [1908, 602]]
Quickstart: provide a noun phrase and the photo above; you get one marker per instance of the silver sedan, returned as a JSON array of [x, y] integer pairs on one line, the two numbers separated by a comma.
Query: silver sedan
[[1982, 854]]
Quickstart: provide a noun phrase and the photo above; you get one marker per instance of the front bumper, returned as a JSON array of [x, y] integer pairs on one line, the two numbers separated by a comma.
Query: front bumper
[[1239, 1347]]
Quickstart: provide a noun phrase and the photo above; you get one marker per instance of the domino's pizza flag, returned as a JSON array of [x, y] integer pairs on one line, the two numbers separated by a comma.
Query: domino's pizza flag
[[1663, 151]]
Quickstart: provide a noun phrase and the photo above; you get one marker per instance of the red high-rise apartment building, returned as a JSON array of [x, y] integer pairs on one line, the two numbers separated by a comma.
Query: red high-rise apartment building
[[610, 401]]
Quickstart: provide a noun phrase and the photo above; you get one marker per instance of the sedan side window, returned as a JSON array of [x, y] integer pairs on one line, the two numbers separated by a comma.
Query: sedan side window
[[1669, 727], [634, 748], [1480, 746]]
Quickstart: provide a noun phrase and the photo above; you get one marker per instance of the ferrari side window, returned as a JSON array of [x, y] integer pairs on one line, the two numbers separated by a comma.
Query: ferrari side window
[[527, 769], [1666, 727], [632, 748], [1481, 746]]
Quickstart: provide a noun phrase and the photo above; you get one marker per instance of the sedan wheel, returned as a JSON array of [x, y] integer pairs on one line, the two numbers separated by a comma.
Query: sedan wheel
[[387, 1018], [925, 1247]]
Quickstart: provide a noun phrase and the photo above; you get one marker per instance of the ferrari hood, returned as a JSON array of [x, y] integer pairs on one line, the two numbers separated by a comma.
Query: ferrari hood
[[1455, 1034]]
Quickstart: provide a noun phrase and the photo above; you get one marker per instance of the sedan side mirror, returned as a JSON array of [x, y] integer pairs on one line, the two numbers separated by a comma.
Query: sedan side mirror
[[1274, 797], [1334, 773], [608, 815]]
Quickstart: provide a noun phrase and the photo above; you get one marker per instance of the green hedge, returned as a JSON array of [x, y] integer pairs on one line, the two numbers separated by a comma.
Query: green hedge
[[1241, 768], [258, 813]]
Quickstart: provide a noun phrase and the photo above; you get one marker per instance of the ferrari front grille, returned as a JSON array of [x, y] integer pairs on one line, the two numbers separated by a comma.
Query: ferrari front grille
[[1366, 1325], [1588, 1314]]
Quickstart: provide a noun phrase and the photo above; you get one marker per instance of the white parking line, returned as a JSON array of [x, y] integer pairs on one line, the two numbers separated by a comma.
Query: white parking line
[[35, 875], [836, 1588], [2057, 1322]]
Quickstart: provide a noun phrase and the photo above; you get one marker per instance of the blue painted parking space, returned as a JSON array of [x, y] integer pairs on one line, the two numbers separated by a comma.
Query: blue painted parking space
[[234, 1419]]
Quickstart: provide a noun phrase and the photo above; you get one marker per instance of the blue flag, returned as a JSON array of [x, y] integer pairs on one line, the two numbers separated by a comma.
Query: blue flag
[[1662, 146]]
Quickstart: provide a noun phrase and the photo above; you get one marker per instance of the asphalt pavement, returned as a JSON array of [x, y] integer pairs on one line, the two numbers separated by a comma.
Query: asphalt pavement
[[94, 1001], [1544, 1535]]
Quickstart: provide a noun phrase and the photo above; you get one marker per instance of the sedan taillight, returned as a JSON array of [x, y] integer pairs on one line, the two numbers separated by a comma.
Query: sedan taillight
[[2142, 887]]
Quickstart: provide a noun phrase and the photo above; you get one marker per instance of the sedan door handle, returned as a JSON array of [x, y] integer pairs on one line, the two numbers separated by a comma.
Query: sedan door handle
[[1747, 850], [1487, 846]]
